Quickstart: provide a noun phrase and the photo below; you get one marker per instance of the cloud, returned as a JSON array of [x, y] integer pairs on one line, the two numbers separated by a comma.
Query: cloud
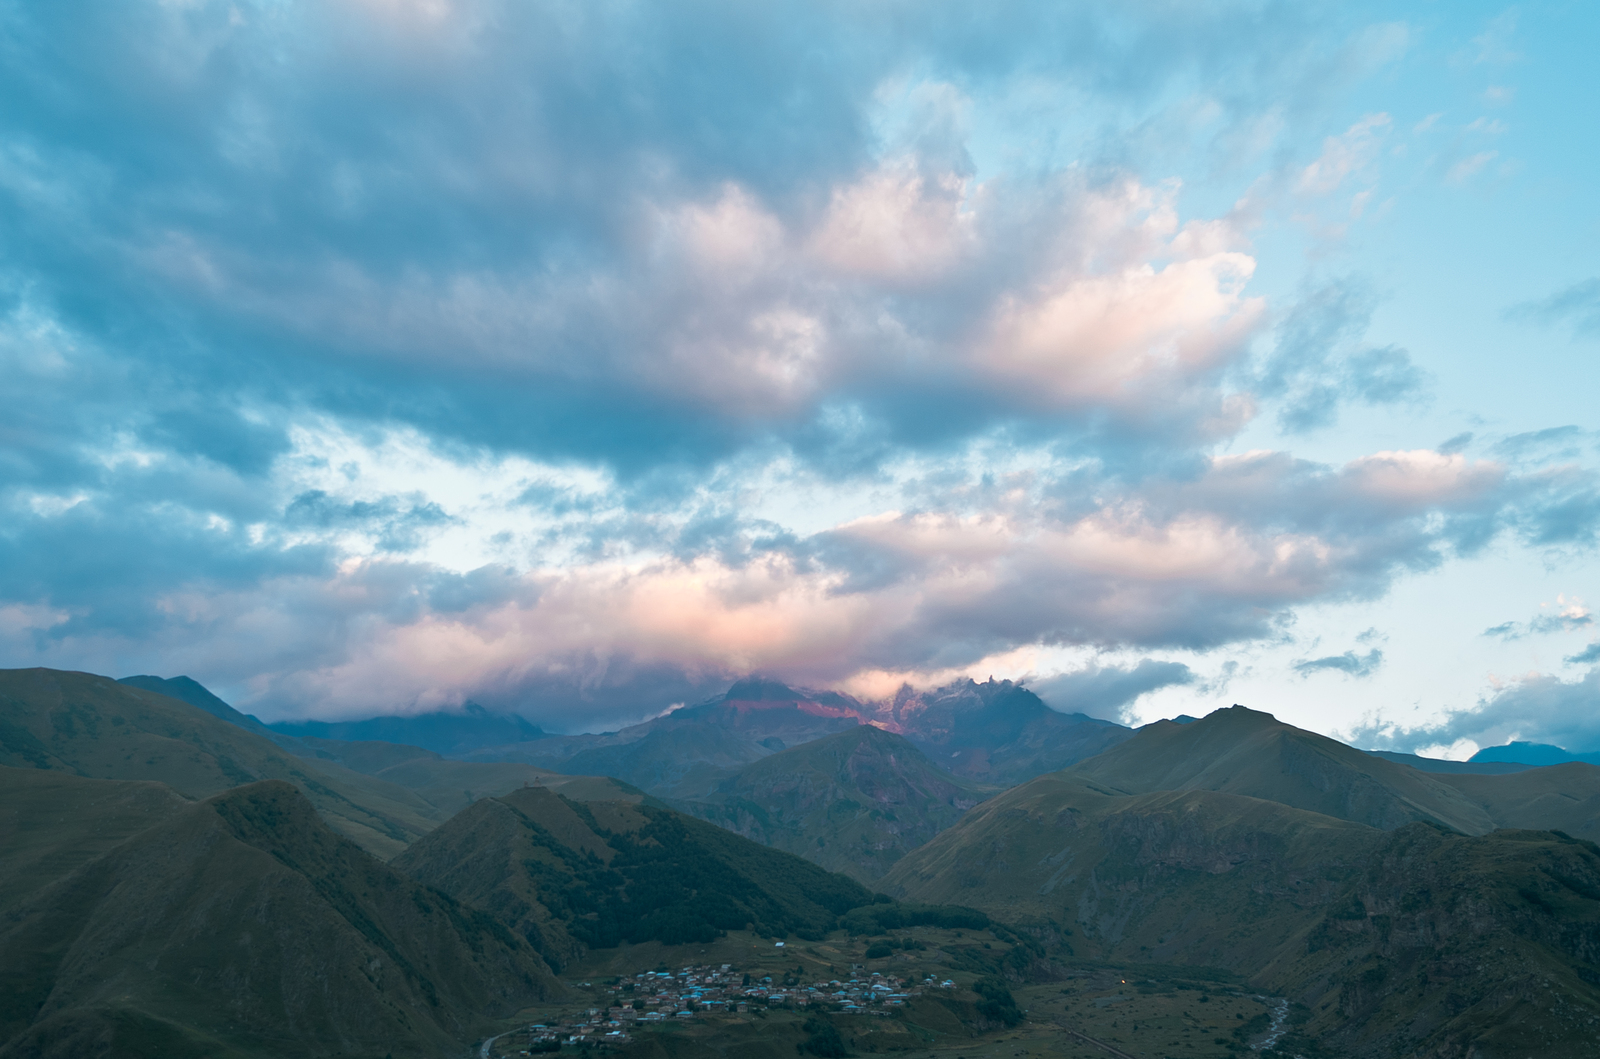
[[1349, 663], [1466, 168], [574, 358], [1537, 708], [1568, 615], [1588, 656], [1318, 361], [1577, 307], [1344, 155], [349, 604], [1107, 691]]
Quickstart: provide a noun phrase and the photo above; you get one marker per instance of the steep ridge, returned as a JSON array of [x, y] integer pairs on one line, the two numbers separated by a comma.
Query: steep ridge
[[93, 726], [996, 732], [243, 926], [1241, 751], [1555, 797], [1416, 941], [187, 689], [570, 876], [51, 823], [853, 802], [688, 751]]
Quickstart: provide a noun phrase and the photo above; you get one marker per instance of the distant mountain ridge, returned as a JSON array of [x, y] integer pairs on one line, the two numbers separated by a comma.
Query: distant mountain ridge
[[855, 802], [444, 732], [1433, 764], [1532, 754], [993, 733], [89, 725], [1243, 751]]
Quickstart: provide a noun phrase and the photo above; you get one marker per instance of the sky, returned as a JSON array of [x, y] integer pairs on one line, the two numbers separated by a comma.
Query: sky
[[373, 356]]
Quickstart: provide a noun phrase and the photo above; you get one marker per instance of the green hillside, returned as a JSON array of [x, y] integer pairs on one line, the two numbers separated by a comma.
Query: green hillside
[[1416, 941], [571, 876], [1556, 797], [53, 822], [93, 726], [450, 785], [1241, 751], [855, 802], [241, 926]]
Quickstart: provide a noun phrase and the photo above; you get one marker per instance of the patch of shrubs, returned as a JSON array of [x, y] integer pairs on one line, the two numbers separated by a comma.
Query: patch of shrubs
[[822, 1039], [996, 1003]]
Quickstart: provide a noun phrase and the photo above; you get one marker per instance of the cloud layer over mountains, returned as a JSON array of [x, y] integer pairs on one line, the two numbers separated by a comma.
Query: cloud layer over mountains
[[368, 355]]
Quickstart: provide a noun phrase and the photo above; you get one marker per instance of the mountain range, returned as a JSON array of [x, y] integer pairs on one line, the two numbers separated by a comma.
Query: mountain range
[[1414, 941], [570, 876], [176, 881], [995, 733], [240, 925], [93, 726], [854, 802]]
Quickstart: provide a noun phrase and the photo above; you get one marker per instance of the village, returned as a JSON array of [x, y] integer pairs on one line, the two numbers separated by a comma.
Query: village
[[654, 997]]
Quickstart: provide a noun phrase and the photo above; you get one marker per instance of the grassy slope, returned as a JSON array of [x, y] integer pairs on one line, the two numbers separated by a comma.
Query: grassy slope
[[52, 822], [1241, 751], [451, 785], [1410, 939], [93, 726], [244, 926], [1557, 797], [570, 876], [854, 802]]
